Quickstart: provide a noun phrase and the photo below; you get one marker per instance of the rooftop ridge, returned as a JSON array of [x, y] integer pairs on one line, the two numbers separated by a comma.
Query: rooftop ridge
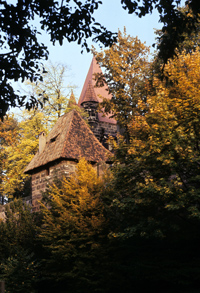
[[70, 138]]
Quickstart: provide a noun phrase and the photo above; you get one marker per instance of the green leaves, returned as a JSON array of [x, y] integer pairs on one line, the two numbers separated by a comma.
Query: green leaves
[[22, 55], [19, 267]]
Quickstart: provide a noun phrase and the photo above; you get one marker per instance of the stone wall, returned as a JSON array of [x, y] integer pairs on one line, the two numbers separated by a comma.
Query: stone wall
[[104, 129], [45, 176]]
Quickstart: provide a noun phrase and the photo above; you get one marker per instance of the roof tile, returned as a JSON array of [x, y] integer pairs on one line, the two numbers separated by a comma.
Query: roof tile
[[99, 91], [70, 138]]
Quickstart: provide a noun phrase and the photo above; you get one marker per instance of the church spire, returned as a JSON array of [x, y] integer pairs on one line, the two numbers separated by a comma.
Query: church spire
[[72, 100], [98, 92]]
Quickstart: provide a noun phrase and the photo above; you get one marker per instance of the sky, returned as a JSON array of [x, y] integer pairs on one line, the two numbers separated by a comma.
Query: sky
[[113, 17]]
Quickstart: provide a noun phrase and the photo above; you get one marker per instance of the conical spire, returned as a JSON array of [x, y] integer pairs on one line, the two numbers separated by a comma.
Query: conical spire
[[90, 84], [90, 95], [72, 100]]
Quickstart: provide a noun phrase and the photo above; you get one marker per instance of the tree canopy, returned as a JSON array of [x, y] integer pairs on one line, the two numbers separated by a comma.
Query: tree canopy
[[18, 234], [140, 228], [157, 182], [72, 228], [21, 52], [52, 90], [126, 71], [175, 21]]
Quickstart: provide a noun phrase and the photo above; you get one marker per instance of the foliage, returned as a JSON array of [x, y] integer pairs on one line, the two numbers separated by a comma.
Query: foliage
[[19, 152], [73, 20], [72, 230], [8, 133], [176, 23], [126, 71], [157, 186], [19, 272], [52, 90], [18, 264], [188, 39], [59, 99], [21, 52], [152, 204], [17, 229]]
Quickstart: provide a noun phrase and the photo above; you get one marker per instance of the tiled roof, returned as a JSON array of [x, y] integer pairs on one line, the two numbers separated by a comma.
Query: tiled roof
[[72, 100], [70, 138], [99, 91], [90, 95]]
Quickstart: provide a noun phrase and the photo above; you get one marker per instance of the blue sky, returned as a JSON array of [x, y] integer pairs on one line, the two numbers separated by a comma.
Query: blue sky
[[111, 15]]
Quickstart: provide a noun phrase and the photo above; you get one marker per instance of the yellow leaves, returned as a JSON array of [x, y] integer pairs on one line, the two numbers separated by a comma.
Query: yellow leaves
[[74, 207], [172, 119], [184, 72], [126, 71], [19, 152]]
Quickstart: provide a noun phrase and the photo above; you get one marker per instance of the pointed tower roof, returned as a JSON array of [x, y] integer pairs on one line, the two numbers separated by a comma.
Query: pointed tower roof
[[90, 95], [72, 100], [99, 91], [70, 138]]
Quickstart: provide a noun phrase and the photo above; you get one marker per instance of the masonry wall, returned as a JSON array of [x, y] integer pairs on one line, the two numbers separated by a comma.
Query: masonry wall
[[102, 129], [45, 176]]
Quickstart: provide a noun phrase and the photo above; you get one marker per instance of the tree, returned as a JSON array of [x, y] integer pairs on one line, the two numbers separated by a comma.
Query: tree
[[126, 72], [72, 230], [19, 267], [8, 134], [188, 38], [53, 91], [161, 165], [176, 22], [58, 98], [19, 152], [153, 203], [21, 51], [73, 20]]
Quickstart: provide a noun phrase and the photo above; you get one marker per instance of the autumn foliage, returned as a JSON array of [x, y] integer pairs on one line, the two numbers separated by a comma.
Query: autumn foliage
[[138, 226], [72, 227]]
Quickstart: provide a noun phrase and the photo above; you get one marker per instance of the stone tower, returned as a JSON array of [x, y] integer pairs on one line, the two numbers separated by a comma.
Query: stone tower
[[69, 140], [102, 125]]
